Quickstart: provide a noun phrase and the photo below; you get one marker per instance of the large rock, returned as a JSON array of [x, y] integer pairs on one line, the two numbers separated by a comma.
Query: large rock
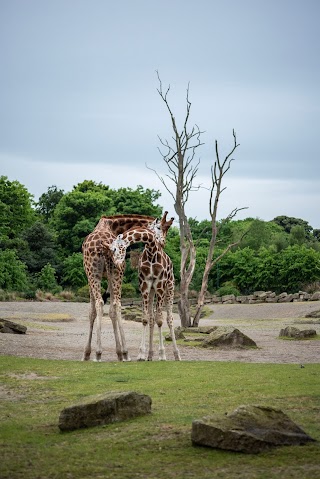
[[249, 429], [228, 336], [228, 299], [285, 298], [11, 327], [104, 409], [296, 333], [315, 296]]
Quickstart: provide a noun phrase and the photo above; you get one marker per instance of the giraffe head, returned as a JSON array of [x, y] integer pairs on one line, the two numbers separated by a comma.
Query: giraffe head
[[118, 249], [165, 225], [156, 228], [120, 244]]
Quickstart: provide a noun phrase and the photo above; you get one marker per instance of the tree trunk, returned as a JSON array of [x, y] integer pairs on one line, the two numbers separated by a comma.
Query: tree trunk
[[184, 312], [179, 156], [202, 294], [184, 305]]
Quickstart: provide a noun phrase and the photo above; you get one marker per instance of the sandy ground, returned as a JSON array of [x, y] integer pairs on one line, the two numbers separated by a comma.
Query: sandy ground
[[66, 339]]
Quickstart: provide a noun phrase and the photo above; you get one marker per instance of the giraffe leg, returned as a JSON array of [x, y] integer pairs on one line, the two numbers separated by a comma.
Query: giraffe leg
[[142, 348], [92, 317], [124, 349], [170, 325], [114, 282], [151, 329], [99, 309], [145, 321], [113, 316], [151, 324], [159, 321], [145, 292]]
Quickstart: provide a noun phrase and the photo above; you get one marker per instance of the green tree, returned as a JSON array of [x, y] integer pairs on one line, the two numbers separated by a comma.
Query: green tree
[[316, 234], [73, 272], [241, 268], [267, 274], [41, 247], [200, 229], [46, 280], [78, 212], [16, 212], [287, 222], [297, 235], [172, 248], [202, 247], [13, 274], [48, 202], [260, 234], [138, 201], [298, 265]]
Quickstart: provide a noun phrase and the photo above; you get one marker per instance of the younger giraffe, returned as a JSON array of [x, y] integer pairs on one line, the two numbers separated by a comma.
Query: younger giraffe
[[156, 280], [98, 263]]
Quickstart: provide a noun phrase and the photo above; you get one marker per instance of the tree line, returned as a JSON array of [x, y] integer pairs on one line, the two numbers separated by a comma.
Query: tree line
[[40, 243]]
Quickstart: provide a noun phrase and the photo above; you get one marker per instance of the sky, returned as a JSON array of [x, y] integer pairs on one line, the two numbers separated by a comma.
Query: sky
[[79, 99]]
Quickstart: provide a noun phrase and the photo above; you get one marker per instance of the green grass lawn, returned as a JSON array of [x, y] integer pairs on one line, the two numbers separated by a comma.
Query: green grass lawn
[[34, 391]]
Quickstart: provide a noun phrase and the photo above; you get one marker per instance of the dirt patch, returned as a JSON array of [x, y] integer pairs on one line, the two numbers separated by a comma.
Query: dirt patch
[[261, 322], [32, 376], [6, 394]]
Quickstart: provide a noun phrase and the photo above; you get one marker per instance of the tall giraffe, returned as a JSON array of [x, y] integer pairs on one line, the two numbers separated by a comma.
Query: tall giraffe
[[156, 281], [98, 263]]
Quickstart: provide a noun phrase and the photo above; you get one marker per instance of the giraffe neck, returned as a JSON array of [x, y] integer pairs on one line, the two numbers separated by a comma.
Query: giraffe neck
[[142, 235], [135, 235], [120, 223]]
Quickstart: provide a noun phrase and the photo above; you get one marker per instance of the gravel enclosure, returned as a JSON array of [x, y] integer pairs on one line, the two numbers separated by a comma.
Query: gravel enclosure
[[65, 336]]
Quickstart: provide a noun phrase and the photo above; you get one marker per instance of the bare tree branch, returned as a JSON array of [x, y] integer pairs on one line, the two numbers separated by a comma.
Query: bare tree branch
[[218, 171], [179, 155]]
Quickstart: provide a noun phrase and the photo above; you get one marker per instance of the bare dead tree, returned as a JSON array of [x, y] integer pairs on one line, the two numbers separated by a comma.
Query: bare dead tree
[[179, 155], [218, 171]]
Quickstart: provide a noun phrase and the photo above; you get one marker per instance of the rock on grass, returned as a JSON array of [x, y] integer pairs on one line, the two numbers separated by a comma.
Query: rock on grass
[[104, 409], [248, 429]]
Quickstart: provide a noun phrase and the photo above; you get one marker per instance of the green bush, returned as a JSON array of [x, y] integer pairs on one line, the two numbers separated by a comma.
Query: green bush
[[128, 291], [30, 294], [83, 292], [46, 280], [228, 288], [8, 295], [66, 295], [13, 276]]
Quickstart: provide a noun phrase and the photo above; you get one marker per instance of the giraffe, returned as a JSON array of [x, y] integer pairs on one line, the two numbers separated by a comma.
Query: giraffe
[[156, 281], [98, 263]]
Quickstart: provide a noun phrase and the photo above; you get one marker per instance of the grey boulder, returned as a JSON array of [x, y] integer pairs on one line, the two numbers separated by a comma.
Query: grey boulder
[[104, 409], [248, 429]]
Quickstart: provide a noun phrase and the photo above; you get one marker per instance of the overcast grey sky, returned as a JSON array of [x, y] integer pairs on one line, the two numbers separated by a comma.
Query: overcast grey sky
[[78, 96]]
